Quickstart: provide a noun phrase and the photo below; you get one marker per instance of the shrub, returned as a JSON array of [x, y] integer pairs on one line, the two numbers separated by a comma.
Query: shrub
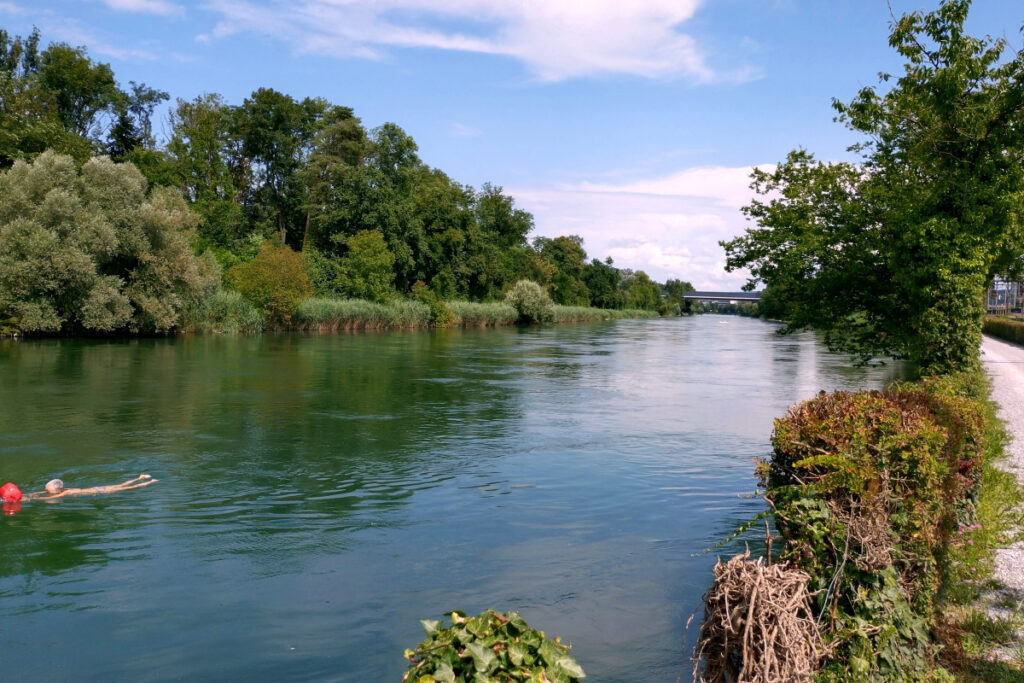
[[489, 647], [275, 282], [225, 311], [531, 302], [90, 250], [865, 489], [440, 314], [1005, 328]]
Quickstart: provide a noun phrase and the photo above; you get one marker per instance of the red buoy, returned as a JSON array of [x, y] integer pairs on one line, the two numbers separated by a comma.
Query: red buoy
[[9, 493]]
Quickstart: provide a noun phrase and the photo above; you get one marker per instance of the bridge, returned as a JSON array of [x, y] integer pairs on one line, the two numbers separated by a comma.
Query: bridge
[[727, 297]]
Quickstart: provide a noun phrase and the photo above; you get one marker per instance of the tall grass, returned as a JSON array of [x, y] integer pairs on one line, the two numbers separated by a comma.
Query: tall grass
[[574, 314], [224, 312], [319, 313], [470, 314]]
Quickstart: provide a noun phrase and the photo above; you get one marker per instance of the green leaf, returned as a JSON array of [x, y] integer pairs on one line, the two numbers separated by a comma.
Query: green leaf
[[483, 658], [431, 626], [569, 666]]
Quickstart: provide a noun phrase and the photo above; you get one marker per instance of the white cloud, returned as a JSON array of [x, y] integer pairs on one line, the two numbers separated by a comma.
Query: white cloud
[[11, 8], [555, 40], [158, 7], [67, 30], [667, 226]]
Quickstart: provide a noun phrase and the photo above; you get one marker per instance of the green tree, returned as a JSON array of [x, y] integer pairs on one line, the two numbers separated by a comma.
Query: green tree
[[566, 254], [602, 280], [367, 269], [79, 88], [29, 123], [89, 250], [200, 156], [643, 293], [892, 256]]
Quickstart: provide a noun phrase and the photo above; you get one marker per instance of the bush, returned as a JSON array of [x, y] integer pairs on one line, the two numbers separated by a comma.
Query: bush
[[275, 282], [440, 314], [90, 250], [1006, 329], [226, 311], [489, 647], [531, 302], [866, 489]]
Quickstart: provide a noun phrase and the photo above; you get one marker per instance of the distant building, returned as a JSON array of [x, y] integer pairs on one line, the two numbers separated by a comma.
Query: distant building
[[1005, 297]]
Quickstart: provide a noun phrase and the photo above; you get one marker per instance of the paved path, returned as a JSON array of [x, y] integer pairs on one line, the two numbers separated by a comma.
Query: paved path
[[1005, 365]]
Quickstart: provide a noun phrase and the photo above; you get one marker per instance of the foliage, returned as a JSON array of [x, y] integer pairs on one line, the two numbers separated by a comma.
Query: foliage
[[370, 216], [531, 302], [489, 647], [440, 314], [223, 312], [891, 256], [866, 489], [89, 250], [366, 270], [1007, 329], [275, 282]]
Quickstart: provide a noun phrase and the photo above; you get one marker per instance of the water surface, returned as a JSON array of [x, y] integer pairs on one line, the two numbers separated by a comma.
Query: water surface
[[319, 495]]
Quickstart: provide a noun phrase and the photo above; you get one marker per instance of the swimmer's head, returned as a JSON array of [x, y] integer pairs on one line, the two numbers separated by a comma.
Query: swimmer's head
[[9, 493], [54, 486]]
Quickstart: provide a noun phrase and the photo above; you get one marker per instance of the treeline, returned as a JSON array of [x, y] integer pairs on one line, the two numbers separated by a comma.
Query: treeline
[[368, 217]]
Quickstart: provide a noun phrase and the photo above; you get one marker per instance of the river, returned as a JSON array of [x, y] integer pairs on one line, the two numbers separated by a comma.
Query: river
[[320, 494]]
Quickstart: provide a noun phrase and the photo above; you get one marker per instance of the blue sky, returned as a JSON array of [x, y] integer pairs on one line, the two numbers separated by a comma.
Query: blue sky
[[633, 123]]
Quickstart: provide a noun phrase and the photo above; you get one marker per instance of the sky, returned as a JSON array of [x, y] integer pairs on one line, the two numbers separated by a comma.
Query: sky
[[631, 123]]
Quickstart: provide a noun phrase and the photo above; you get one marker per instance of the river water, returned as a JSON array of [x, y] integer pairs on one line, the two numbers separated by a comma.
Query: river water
[[319, 495]]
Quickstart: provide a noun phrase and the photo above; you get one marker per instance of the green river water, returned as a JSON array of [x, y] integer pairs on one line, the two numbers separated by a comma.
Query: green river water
[[319, 495]]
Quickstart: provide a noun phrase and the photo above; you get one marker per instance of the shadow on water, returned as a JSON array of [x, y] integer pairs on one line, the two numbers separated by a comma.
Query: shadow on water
[[320, 494]]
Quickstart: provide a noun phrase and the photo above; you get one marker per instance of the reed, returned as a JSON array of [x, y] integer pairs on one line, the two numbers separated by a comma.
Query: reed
[[492, 314], [574, 314], [320, 313], [224, 312]]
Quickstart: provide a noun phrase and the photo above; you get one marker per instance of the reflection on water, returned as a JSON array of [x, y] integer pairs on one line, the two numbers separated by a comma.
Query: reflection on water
[[321, 494]]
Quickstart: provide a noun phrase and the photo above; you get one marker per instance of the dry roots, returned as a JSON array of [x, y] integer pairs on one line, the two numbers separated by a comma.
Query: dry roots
[[757, 625]]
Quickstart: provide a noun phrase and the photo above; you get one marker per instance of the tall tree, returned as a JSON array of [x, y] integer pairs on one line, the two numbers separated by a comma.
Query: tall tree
[[892, 256]]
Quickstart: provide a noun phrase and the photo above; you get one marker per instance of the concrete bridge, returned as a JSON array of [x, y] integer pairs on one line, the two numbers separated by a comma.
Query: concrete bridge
[[723, 297]]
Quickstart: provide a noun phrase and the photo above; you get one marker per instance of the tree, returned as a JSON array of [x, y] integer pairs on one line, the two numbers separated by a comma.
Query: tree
[[79, 88], [29, 124], [567, 255], [367, 269], [602, 280], [90, 250], [199, 151], [892, 256]]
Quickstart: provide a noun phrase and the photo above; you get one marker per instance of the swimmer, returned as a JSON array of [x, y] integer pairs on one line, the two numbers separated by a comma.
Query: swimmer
[[55, 488]]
